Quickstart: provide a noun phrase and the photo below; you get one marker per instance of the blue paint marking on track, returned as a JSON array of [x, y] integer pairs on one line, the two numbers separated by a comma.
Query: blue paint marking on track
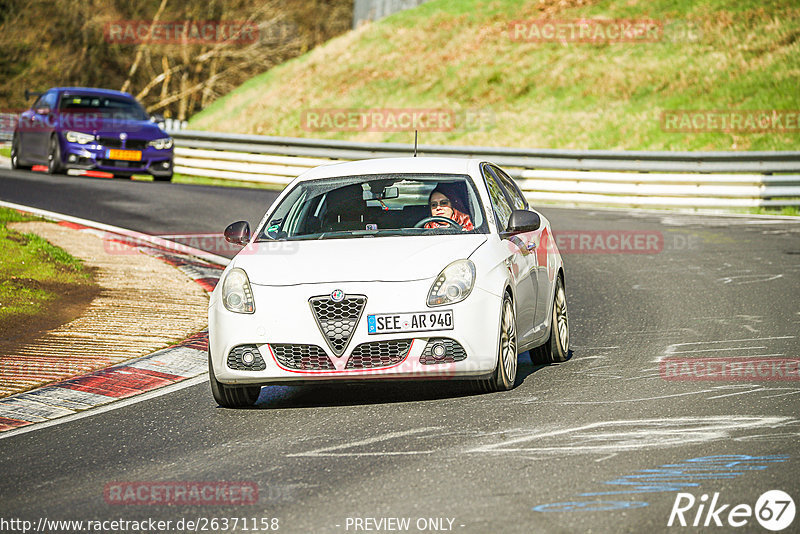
[[668, 478]]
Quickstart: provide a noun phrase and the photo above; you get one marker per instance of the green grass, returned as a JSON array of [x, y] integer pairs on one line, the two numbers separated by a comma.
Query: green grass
[[5, 151], [459, 55], [33, 272], [785, 210], [201, 180]]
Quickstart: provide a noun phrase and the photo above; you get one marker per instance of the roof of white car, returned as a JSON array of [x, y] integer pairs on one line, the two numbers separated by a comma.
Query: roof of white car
[[393, 165]]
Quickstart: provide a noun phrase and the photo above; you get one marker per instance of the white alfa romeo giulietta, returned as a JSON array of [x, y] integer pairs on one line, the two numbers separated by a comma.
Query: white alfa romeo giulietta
[[400, 268]]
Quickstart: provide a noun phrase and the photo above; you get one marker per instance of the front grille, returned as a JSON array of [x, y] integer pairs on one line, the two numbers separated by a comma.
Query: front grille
[[116, 142], [378, 354], [236, 362], [454, 352], [302, 357], [121, 164], [337, 320]]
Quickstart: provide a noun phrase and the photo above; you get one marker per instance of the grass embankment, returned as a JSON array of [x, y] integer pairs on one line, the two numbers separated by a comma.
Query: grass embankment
[[460, 55], [5, 151], [39, 282]]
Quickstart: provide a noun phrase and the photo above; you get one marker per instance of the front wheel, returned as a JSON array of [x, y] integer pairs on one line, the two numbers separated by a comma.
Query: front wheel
[[54, 165], [556, 349], [15, 153], [231, 396], [505, 374]]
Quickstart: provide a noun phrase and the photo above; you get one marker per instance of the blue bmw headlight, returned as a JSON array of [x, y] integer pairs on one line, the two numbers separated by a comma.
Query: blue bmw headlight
[[78, 137], [161, 144]]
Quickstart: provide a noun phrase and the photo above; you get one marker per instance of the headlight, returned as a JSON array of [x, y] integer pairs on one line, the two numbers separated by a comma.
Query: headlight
[[79, 137], [453, 284], [161, 144], [237, 296]]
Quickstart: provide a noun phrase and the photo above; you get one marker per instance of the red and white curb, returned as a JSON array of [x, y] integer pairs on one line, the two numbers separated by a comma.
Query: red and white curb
[[178, 363]]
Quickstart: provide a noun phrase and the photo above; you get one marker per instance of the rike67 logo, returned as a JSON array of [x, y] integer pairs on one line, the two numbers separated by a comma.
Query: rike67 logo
[[774, 510]]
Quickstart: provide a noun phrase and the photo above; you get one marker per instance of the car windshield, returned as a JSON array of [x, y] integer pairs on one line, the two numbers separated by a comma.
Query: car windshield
[[118, 108], [374, 206]]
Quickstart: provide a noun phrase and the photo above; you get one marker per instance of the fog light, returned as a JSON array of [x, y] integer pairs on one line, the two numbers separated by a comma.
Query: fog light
[[165, 165], [72, 158], [248, 357], [439, 350]]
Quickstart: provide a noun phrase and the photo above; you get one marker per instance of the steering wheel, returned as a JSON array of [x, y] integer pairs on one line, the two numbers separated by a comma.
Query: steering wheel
[[449, 222]]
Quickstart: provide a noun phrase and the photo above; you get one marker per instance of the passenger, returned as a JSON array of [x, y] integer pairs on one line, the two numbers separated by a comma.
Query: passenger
[[443, 204]]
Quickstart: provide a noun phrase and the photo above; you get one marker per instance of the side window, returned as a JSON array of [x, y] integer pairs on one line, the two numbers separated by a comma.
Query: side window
[[40, 102], [502, 210], [50, 99], [512, 189]]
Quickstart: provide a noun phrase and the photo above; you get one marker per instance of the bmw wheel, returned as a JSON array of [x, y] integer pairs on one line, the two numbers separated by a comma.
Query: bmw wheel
[[506, 372], [54, 165], [15, 153], [231, 396], [556, 349]]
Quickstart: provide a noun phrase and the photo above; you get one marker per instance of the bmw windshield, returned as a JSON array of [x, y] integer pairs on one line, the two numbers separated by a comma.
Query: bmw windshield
[[103, 106], [375, 206]]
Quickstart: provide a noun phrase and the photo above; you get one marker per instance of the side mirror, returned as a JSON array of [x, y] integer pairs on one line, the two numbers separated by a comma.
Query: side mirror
[[522, 221], [157, 118], [44, 110], [238, 233]]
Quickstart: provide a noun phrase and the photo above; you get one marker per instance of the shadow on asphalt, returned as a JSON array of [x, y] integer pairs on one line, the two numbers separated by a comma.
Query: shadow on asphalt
[[385, 392]]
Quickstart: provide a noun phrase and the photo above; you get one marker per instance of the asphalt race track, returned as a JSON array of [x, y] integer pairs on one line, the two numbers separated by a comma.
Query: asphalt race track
[[604, 442]]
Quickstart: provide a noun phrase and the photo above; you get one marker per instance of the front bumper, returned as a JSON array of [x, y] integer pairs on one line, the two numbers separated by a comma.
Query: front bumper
[[96, 157], [283, 317]]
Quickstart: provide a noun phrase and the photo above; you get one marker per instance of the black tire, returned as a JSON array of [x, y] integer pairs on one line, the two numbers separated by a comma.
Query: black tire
[[231, 396], [505, 375], [15, 164], [54, 165], [166, 178], [556, 349]]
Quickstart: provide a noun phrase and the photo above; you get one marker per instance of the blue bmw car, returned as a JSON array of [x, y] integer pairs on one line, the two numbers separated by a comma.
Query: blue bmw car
[[91, 129]]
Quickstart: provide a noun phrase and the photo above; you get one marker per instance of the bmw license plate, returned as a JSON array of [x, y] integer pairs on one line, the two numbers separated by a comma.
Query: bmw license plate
[[125, 155], [386, 323]]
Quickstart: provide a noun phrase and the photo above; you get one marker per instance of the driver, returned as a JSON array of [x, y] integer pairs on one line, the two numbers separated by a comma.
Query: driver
[[442, 206]]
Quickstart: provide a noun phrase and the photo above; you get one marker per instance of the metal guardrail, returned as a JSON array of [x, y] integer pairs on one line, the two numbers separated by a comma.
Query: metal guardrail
[[621, 178], [7, 122]]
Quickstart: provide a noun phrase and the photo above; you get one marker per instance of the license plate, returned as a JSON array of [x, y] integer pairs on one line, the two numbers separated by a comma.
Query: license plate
[[385, 323], [125, 155]]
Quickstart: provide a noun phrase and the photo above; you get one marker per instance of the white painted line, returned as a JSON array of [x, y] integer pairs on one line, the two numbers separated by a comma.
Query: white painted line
[[153, 240], [732, 340], [715, 350], [327, 451], [637, 434], [606, 457], [108, 407], [671, 349]]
